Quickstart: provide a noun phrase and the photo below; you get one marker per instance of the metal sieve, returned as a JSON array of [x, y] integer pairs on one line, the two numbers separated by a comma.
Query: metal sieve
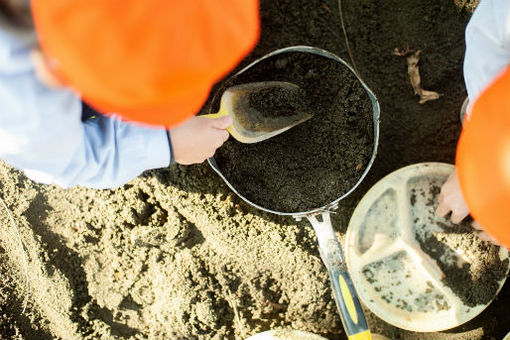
[[345, 295]]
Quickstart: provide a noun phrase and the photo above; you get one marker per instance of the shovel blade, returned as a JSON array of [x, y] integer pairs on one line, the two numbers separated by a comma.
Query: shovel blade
[[264, 109]]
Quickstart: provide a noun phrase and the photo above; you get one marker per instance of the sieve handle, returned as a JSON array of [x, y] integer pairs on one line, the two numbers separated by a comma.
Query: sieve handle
[[346, 298]]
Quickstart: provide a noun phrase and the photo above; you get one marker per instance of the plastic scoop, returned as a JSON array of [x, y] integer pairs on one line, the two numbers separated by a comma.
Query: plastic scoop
[[262, 110]]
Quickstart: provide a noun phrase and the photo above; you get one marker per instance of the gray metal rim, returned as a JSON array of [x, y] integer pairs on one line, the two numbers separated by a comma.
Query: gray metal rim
[[376, 116]]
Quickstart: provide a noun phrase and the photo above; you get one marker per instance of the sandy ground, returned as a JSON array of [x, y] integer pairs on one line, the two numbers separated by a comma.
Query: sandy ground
[[175, 255]]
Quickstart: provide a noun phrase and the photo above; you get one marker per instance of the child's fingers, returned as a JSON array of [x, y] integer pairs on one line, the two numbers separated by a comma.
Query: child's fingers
[[216, 138], [458, 216], [443, 210], [476, 225], [441, 196], [222, 123], [223, 136]]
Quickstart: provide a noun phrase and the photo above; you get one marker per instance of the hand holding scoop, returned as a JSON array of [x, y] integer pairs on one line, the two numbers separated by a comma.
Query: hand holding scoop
[[262, 110]]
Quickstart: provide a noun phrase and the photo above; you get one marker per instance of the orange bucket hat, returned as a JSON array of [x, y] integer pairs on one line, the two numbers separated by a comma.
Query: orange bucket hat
[[150, 61], [483, 160]]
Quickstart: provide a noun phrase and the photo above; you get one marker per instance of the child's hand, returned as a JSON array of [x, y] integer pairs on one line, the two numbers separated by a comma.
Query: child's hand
[[450, 199], [198, 138]]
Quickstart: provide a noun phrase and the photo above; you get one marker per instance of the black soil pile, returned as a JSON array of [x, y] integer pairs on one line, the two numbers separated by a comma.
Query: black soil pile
[[476, 282], [317, 161], [472, 267], [276, 101]]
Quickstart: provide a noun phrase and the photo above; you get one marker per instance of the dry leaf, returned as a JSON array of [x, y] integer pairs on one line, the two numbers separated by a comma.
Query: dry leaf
[[414, 75], [414, 72], [401, 52], [428, 95]]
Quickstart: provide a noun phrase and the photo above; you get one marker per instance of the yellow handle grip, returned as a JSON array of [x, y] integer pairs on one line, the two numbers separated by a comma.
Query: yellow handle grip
[[230, 129], [221, 113]]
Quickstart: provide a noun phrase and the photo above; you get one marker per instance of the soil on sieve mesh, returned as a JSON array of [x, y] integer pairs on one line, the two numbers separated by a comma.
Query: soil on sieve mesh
[[317, 161], [475, 282]]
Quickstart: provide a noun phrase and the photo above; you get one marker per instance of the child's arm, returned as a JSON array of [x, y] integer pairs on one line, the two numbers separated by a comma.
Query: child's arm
[[487, 54], [42, 133], [487, 45]]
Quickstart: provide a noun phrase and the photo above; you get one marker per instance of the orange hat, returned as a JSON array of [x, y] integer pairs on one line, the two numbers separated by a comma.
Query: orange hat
[[483, 159], [151, 61]]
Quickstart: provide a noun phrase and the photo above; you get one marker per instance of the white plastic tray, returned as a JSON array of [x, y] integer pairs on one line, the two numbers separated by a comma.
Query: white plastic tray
[[393, 276]]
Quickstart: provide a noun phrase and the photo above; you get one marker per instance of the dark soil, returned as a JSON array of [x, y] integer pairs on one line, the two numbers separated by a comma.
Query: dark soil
[[474, 284], [275, 106], [317, 161], [277, 101]]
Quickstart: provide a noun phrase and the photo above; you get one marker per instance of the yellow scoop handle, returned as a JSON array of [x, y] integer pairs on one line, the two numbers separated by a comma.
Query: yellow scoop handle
[[221, 113], [233, 132]]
